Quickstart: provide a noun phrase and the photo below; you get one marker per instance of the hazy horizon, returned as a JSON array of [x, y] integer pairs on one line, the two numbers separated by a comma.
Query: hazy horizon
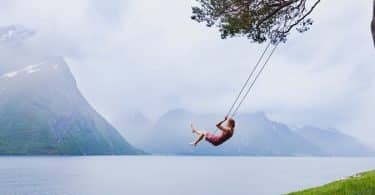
[[137, 55]]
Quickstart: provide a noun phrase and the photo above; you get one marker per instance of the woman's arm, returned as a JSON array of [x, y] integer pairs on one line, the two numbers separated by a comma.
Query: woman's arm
[[218, 125], [221, 122]]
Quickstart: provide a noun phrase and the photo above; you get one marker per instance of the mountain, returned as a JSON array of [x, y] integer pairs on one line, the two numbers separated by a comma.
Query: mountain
[[335, 143], [43, 112], [14, 34], [135, 126], [258, 135], [255, 135], [14, 51], [169, 135]]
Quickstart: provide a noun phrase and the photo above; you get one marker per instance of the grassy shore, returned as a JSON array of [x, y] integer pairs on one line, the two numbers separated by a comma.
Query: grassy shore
[[360, 184]]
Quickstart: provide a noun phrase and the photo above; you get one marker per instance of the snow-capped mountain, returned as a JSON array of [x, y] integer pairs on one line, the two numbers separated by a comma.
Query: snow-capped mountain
[[43, 112], [14, 34]]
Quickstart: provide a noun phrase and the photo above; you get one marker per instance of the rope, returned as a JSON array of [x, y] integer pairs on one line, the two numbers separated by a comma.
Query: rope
[[256, 78], [248, 79]]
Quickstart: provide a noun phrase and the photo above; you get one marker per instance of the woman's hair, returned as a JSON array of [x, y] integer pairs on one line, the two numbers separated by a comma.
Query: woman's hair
[[231, 122]]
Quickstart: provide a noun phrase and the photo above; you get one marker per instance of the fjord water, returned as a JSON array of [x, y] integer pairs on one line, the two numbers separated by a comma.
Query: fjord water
[[170, 174]]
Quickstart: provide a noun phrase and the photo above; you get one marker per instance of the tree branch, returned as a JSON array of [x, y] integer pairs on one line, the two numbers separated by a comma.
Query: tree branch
[[274, 12], [304, 17]]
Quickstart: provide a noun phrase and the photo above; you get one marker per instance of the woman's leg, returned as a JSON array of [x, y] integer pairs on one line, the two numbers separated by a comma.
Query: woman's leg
[[199, 133], [200, 137], [194, 130]]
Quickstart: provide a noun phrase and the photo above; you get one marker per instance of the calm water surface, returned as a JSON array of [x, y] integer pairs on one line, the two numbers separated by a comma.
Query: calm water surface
[[144, 175]]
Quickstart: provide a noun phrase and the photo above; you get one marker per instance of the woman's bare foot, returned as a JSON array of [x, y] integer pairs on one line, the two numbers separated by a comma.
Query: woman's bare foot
[[193, 144], [192, 128]]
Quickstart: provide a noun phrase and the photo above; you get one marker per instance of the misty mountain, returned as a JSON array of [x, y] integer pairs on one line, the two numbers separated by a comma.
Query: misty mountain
[[43, 112], [255, 135], [14, 34], [135, 126], [170, 134], [15, 48], [335, 143]]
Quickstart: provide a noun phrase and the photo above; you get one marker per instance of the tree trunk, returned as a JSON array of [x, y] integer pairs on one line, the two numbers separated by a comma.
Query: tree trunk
[[373, 24]]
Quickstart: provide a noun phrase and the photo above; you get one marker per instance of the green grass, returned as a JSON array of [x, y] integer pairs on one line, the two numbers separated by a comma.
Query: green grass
[[360, 184]]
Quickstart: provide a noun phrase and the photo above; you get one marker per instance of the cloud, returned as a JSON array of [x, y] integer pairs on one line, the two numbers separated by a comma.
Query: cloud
[[149, 55]]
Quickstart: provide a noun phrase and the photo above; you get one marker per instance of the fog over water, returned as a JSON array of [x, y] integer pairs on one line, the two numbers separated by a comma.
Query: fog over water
[[138, 55]]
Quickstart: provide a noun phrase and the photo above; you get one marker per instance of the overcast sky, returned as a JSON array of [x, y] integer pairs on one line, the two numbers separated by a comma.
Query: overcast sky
[[149, 56]]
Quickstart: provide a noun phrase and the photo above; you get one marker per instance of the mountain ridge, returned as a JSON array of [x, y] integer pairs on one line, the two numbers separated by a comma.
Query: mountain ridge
[[44, 113], [256, 135]]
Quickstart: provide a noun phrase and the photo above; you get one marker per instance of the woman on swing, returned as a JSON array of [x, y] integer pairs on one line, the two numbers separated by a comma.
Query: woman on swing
[[226, 132]]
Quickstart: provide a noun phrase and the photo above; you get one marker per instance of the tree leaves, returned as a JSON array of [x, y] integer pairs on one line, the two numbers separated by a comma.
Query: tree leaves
[[258, 20]]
